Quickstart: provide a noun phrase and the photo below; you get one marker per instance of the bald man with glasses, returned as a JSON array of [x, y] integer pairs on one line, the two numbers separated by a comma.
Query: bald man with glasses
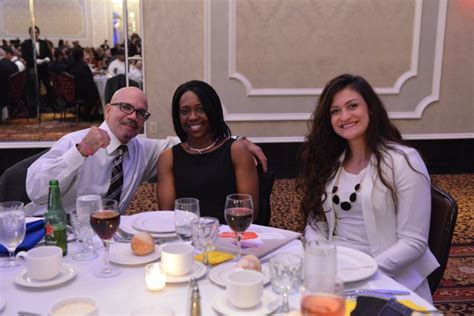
[[90, 161]]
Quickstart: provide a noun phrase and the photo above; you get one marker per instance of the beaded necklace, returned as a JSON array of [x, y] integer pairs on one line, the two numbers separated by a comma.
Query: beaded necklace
[[346, 205]]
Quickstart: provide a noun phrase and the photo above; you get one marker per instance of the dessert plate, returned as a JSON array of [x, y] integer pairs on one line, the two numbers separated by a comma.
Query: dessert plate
[[266, 306], [126, 225], [198, 271], [121, 253], [67, 273], [154, 222], [354, 265], [218, 275]]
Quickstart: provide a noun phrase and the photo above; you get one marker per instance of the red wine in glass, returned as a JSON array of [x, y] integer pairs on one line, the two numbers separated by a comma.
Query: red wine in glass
[[238, 218], [105, 223]]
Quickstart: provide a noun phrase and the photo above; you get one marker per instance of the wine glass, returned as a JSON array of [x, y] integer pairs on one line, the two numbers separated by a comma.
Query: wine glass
[[205, 232], [286, 270], [238, 215], [12, 229], [85, 205], [105, 223], [185, 210], [325, 298]]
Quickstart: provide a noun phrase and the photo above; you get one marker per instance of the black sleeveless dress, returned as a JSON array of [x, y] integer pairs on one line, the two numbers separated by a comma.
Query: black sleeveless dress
[[209, 177]]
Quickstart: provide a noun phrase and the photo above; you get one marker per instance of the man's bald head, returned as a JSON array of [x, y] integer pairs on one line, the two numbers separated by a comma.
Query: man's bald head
[[129, 92]]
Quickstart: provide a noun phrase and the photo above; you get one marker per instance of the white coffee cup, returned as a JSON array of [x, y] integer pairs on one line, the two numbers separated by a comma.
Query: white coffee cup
[[244, 288], [177, 258], [43, 263]]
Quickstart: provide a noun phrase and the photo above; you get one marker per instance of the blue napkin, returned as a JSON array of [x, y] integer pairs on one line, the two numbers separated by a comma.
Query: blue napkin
[[34, 233]]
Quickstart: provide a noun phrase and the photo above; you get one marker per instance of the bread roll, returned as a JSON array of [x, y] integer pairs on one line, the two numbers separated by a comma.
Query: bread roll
[[142, 244], [250, 262]]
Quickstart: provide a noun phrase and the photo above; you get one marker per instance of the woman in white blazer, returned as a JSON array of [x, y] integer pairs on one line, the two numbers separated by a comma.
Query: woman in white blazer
[[362, 188]]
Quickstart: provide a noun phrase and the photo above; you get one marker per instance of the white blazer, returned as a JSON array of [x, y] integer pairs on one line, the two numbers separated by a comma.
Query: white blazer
[[398, 238]]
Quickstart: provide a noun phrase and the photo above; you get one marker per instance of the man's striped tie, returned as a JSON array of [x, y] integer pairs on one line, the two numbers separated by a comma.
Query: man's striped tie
[[116, 181]]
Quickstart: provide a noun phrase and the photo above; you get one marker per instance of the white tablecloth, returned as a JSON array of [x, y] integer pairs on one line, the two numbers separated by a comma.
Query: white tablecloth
[[125, 293]]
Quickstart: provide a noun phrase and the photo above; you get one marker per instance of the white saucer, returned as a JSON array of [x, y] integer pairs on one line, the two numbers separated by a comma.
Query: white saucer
[[122, 254], [267, 305], [67, 273], [198, 271], [126, 225], [218, 275], [154, 222]]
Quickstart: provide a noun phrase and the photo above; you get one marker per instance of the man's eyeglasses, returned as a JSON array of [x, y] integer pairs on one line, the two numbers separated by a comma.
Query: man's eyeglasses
[[129, 109]]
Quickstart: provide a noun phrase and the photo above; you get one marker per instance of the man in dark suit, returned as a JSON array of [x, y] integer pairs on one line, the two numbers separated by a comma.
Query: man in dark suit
[[7, 68], [42, 58]]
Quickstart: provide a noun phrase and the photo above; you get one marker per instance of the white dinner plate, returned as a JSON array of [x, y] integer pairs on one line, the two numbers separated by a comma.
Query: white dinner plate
[[266, 306], [198, 271], [121, 253], [126, 225], [218, 275], [154, 222], [67, 273], [354, 265]]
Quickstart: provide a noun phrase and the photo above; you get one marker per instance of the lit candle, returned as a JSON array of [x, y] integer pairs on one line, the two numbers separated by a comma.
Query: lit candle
[[155, 279]]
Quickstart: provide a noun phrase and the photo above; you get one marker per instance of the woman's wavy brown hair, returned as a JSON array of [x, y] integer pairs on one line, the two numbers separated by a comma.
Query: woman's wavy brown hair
[[320, 153]]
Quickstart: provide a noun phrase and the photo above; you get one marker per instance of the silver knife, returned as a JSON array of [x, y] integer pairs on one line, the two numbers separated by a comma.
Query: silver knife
[[378, 291]]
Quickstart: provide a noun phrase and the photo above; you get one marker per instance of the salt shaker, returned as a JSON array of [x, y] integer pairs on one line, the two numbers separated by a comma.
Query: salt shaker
[[195, 298]]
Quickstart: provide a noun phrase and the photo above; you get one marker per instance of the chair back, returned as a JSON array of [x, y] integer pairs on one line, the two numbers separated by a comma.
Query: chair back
[[265, 186], [14, 179], [68, 88], [115, 83], [16, 87], [444, 211], [56, 84]]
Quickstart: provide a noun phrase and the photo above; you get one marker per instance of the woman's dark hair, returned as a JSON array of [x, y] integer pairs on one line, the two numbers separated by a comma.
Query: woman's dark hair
[[320, 153], [211, 104]]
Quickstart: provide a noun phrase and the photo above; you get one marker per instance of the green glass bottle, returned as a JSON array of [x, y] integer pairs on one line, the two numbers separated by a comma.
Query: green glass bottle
[[55, 218]]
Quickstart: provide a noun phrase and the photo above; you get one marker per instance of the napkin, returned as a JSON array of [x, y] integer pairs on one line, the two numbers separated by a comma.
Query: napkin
[[215, 257], [248, 240], [34, 233]]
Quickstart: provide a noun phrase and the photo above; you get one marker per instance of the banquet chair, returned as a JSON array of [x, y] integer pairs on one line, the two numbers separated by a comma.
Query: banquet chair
[[115, 83], [57, 90], [68, 94], [265, 186], [444, 211], [14, 178], [16, 91]]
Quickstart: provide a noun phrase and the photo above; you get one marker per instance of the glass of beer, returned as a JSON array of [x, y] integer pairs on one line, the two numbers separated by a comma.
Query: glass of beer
[[323, 299]]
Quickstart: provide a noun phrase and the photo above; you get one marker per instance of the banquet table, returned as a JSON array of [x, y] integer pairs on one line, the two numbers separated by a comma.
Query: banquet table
[[100, 81], [126, 293]]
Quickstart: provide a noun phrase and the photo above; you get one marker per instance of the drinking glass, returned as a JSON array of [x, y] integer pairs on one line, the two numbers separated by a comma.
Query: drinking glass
[[105, 223], [320, 265], [323, 299], [12, 229], [286, 270], [185, 210], [238, 214], [85, 205], [205, 232]]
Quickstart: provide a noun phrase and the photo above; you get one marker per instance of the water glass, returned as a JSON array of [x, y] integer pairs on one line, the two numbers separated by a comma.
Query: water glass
[[324, 300], [286, 270], [320, 266], [185, 210], [205, 232], [85, 205], [12, 229]]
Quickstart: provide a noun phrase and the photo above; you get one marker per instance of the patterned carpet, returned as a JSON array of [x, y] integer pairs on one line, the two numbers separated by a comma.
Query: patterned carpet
[[455, 295]]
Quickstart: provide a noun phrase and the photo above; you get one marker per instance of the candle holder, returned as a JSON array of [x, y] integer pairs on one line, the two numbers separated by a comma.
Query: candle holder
[[155, 278]]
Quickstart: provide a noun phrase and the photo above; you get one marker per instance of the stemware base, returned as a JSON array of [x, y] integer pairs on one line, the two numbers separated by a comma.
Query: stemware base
[[9, 264], [103, 272], [84, 255]]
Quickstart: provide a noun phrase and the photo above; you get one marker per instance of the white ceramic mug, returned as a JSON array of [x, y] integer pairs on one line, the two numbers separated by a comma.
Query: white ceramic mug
[[244, 288], [177, 258], [43, 263]]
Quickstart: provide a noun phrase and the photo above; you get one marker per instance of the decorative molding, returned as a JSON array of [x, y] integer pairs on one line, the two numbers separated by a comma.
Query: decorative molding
[[235, 75], [300, 139], [7, 145]]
